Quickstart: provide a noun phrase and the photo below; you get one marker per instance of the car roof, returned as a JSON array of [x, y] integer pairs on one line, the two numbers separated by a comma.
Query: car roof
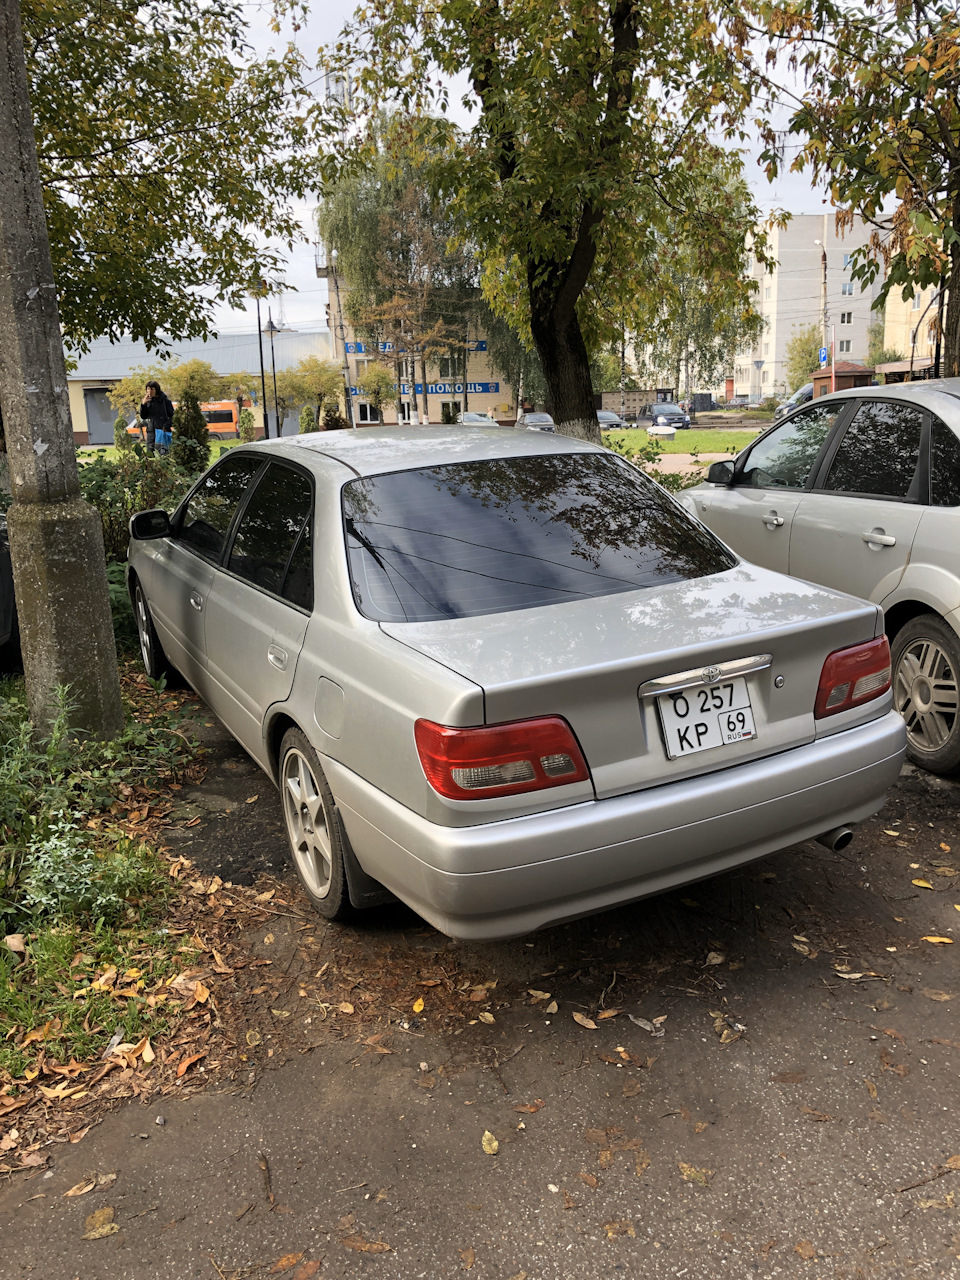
[[375, 450], [928, 391]]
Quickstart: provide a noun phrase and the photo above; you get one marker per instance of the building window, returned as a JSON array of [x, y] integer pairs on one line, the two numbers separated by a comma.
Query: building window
[[913, 337], [917, 299], [449, 367], [845, 346], [765, 377], [766, 348], [846, 289], [366, 412], [846, 260], [846, 317], [453, 407], [405, 411], [768, 292]]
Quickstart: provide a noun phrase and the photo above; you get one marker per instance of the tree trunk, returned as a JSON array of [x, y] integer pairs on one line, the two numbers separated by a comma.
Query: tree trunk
[[423, 379], [951, 325], [56, 540], [563, 355]]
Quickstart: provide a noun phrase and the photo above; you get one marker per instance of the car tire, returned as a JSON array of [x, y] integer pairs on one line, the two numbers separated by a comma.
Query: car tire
[[155, 661], [926, 691], [314, 830]]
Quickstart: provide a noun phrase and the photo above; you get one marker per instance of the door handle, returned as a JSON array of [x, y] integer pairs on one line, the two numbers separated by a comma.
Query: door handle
[[196, 600], [878, 538], [772, 520], [277, 657]]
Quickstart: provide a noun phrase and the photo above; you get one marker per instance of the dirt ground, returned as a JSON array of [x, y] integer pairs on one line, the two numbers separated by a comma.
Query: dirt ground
[[754, 1076]]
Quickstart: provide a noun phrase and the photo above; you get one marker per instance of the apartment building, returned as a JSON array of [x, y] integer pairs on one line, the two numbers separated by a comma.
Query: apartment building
[[447, 392], [909, 327], [791, 296]]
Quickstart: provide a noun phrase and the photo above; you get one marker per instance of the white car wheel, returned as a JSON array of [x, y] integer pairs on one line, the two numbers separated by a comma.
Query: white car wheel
[[926, 691]]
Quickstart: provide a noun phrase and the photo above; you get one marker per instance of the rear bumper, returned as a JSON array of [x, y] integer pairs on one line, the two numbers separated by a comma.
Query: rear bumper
[[503, 879]]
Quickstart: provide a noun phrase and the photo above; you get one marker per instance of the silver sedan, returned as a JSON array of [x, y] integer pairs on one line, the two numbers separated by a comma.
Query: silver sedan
[[860, 491], [504, 677]]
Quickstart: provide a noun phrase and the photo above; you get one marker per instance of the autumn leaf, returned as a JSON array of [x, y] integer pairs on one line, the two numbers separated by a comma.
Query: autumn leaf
[[632, 1088], [552, 1007], [805, 1250], [585, 1021], [467, 1259], [871, 1089], [529, 1108], [189, 1061], [288, 1261], [623, 1228], [935, 938], [100, 1224], [489, 1143], [589, 1179], [537, 995], [417, 1005], [922, 884], [932, 994], [357, 1243], [81, 1188], [701, 1177], [484, 1017]]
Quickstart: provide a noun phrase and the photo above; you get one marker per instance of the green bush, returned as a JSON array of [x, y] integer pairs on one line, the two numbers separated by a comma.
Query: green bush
[[308, 420], [121, 609], [246, 427], [333, 419], [446, 415], [122, 439], [191, 436], [52, 862], [134, 482]]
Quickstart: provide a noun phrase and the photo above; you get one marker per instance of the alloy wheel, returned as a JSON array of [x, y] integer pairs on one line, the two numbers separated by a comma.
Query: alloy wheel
[[307, 825], [926, 693], [143, 631]]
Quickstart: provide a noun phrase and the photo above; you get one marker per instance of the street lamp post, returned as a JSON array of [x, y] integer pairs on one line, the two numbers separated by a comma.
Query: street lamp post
[[823, 292], [263, 379], [272, 329], [345, 368]]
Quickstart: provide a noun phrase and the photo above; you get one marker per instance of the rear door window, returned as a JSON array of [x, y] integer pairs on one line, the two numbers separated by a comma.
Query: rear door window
[[785, 457], [514, 533], [879, 453], [944, 466], [208, 514], [271, 548]]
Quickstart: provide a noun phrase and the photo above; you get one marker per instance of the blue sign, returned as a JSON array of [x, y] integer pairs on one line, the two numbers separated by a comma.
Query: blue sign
[[823, 356], [389, 348], [444, 389]]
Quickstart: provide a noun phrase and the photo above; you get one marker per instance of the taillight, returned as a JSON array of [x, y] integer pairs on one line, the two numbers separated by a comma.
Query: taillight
[[853, 676], [499, 759]]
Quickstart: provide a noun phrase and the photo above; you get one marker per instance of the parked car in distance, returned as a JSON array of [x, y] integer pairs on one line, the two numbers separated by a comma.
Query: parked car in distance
[[800, 397], [476, 420], [536, 422], [504, 676], [860, 491], [665, 414], [221, 417], [610, 421]]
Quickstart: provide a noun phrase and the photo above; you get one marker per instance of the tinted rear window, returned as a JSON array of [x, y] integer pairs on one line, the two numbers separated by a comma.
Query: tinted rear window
[[513, 533]]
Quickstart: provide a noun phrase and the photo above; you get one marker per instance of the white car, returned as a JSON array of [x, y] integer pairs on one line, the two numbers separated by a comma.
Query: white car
[[860, 491]]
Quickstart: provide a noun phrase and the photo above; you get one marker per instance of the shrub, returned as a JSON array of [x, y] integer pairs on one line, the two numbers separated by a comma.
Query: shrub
[[191, 436], [446, 415], [333, 419], [308, 420], [122, 439], [121, 609], [52, 862], [136, 481], [246, 426]]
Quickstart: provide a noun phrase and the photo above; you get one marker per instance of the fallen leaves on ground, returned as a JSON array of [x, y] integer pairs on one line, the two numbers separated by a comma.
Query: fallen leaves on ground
[[467, 1259], [689, 1172], [932, 994], [489, 1143], [359, 1245], [286, 1263], [585, 1021], [935, 938], [805, 1250], [622, 1228], [100, 1224]]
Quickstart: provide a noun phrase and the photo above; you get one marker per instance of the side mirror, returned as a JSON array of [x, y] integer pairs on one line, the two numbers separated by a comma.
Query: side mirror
[[149, 524], [720, 473]]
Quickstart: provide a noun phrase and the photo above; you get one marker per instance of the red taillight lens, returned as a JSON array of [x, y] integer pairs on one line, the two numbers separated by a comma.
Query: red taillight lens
[[853, 676], [499, 759]]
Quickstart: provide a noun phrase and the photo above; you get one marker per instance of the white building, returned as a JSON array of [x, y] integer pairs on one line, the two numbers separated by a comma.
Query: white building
[[790, 298]]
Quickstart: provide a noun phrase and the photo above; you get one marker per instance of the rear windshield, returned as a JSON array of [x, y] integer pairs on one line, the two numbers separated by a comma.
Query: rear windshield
[[514, 533]]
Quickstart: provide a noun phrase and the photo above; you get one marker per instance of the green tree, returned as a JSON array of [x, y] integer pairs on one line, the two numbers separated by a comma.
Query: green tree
[[802, 356], [122, 439], [877, 353], [377, 384], [587, 119], [316, 382], [246, 426], [191, 436], [196, 378], [881, 123], [168, 154]]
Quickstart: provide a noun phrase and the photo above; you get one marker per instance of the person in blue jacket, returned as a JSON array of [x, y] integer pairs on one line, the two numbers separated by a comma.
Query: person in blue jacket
[[157, 412]]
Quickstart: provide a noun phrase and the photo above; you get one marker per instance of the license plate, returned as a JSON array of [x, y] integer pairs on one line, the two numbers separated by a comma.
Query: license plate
[[705, 716]]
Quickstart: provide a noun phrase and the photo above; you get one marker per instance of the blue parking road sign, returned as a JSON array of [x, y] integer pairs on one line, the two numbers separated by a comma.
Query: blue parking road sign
[[823, 356]]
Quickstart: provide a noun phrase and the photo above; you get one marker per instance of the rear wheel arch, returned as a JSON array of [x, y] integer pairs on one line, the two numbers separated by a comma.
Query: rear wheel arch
[[904, 611]]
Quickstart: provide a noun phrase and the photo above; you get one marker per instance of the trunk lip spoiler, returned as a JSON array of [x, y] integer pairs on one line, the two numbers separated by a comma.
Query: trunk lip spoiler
[[711, 674]]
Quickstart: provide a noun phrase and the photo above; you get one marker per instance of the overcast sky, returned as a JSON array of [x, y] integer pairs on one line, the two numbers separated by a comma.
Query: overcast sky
[[303, 307]]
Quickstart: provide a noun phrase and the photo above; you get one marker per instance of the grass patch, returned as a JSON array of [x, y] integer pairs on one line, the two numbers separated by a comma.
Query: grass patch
[[705, 440], [76, 987]]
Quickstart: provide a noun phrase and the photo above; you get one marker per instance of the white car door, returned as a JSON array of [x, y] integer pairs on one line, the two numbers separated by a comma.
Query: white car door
[[260, 603], [755, 514], [855, 530], [182, 567]]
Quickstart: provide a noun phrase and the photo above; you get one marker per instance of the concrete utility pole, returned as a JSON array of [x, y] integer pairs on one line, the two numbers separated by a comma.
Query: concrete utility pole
[[56, 541]]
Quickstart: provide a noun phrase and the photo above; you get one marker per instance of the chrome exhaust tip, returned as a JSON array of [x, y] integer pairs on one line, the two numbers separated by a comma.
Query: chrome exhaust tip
[[836, 839]]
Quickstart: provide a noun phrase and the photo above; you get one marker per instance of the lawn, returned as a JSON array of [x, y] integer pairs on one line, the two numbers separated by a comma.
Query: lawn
[[708, 440]]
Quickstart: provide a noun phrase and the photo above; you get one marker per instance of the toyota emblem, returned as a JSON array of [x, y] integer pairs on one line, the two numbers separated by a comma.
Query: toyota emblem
[[710, 675]]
